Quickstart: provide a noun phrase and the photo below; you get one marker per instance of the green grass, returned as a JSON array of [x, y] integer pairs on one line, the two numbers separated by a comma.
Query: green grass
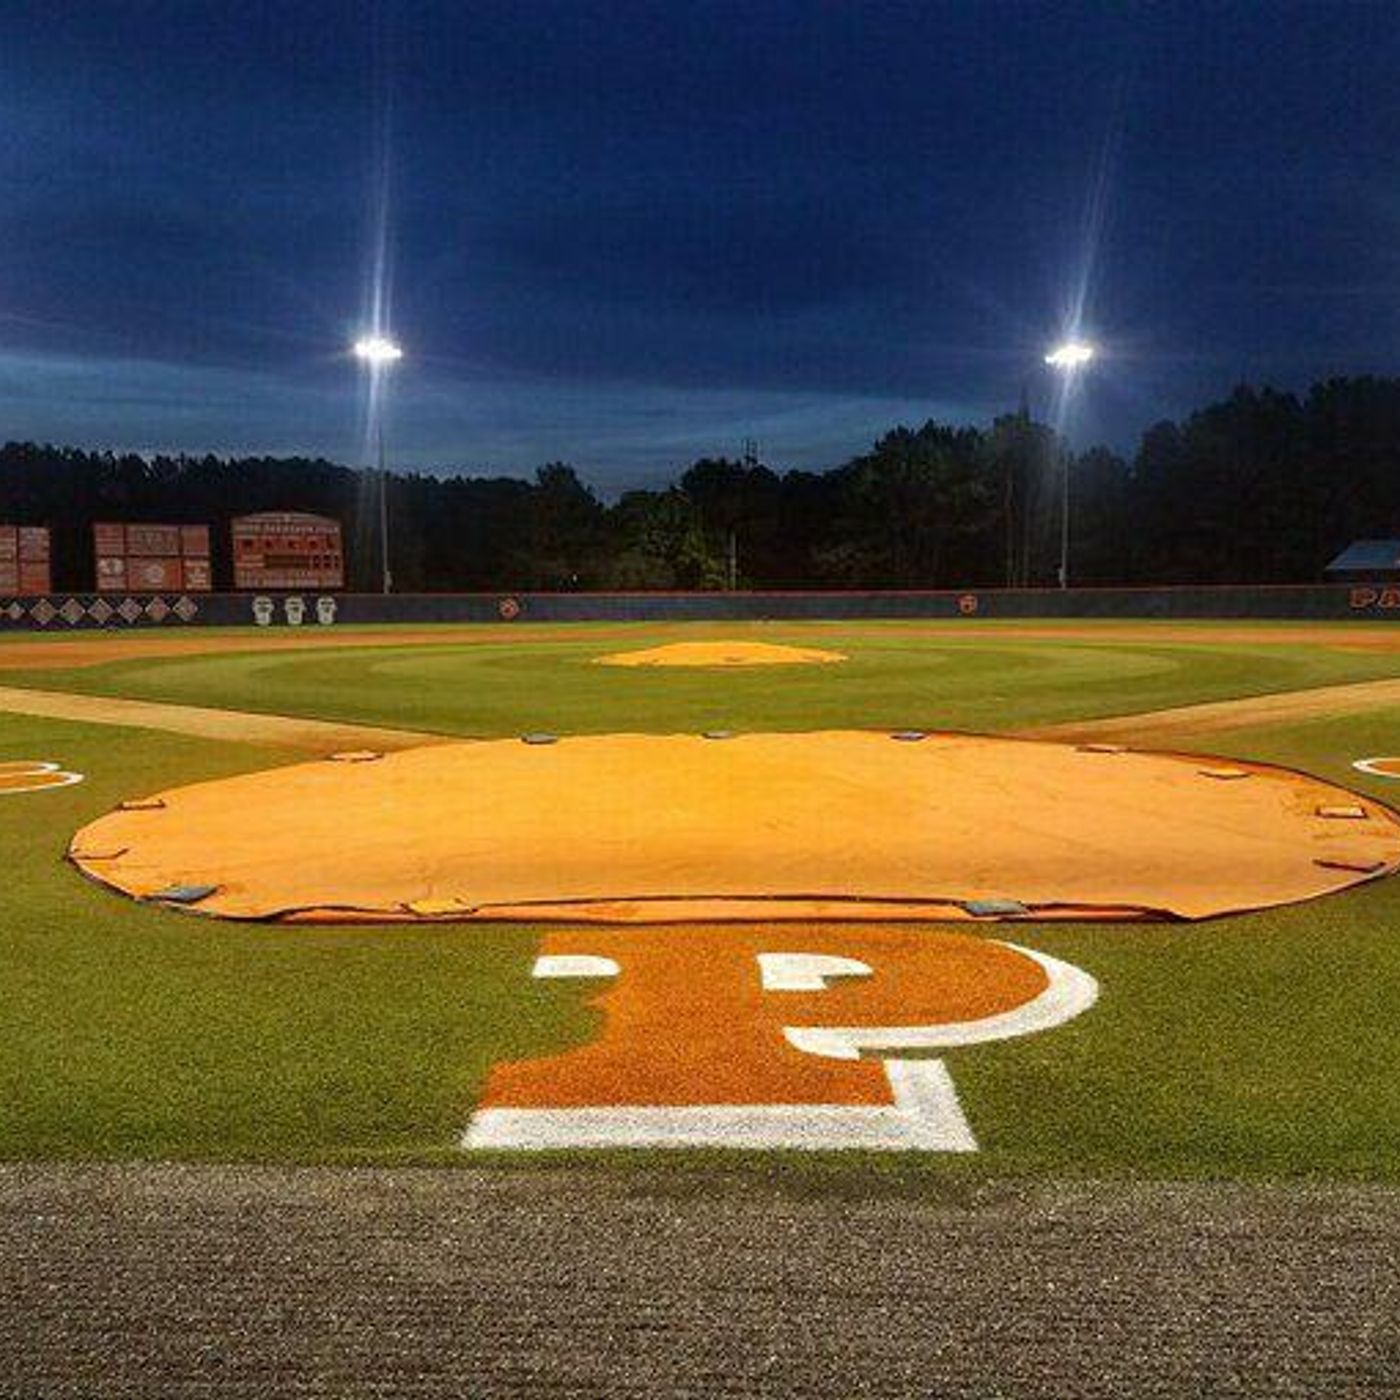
[[1259, 1046], [129, 1032], [986, 679]]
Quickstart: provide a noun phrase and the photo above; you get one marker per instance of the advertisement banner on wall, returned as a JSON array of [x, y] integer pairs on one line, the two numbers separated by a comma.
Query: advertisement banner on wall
[[24, 561], [142, 558]]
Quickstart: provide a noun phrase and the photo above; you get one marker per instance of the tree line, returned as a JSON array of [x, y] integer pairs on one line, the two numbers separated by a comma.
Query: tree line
[[1261, 487]]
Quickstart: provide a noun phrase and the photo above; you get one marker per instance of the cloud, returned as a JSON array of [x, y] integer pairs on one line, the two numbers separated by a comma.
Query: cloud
[[620, 435]]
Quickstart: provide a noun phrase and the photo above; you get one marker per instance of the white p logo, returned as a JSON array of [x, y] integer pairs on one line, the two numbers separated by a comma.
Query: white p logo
[[711, 1038]]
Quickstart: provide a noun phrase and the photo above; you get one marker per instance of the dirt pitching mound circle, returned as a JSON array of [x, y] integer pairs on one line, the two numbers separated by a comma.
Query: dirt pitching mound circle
[[679, 828], [726, 654]]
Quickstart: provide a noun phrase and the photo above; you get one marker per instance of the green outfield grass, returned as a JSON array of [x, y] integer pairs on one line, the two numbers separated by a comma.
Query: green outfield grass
[[525, 679], [1255, 1046]]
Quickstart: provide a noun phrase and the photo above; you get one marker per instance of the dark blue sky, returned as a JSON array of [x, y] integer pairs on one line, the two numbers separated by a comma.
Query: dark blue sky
[[630, 234]]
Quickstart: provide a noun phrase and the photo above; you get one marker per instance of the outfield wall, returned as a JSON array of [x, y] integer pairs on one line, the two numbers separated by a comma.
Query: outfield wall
[[70, 612]]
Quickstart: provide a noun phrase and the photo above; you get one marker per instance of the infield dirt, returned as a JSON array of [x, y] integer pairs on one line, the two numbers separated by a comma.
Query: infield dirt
[[722, 654]]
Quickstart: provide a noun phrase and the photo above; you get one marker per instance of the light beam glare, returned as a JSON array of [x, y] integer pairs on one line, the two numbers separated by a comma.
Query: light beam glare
[[1074, 352], [374, 348]]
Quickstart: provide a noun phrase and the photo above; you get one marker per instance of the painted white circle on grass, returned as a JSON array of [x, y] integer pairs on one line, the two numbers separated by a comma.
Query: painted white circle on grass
[[1378, 767], [33, 775]]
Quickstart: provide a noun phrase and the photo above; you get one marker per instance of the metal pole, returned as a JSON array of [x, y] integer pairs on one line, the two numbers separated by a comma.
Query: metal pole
[[1064, 522], [387, 577], [1068, 358]]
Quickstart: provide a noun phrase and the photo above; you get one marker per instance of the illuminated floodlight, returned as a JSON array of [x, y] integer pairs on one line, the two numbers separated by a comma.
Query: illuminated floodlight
[[377, 350], [1071, 355]]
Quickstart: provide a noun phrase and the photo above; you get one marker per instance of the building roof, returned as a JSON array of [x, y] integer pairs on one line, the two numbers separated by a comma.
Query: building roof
[[1369, 555]]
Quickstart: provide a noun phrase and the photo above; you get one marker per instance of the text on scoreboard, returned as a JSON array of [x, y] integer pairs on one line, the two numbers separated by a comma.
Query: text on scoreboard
[[287, 549]]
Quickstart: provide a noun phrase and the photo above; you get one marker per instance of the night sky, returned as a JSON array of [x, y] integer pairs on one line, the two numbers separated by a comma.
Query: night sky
[[628, 235]]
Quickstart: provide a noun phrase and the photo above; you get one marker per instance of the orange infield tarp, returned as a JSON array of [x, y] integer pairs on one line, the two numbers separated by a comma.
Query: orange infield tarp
[[660, 828]]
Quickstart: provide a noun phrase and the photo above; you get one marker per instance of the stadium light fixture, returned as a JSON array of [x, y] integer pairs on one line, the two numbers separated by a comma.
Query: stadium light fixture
[[1070, 356], [1067, 358], [378, 352]]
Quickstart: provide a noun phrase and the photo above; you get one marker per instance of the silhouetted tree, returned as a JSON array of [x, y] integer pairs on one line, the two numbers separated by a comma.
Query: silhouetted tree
[[1262, 486]]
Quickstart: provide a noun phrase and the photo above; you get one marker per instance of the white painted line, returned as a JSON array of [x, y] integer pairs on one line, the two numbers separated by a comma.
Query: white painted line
[[805, 972], [1368, 765], [924, 1093], [925, 1117], [1071, 991], [35, 769], [574, 965], [925, 1114]]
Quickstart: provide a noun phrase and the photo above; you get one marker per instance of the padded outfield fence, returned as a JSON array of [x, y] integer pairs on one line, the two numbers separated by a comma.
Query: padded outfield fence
[[1318, 602]]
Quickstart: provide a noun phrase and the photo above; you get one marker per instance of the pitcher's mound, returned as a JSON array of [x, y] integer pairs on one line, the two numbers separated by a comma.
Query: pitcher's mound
[[722, 654], [665, 828]]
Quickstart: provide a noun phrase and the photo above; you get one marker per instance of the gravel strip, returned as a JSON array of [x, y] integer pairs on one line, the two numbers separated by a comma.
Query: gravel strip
[[215, 1281]]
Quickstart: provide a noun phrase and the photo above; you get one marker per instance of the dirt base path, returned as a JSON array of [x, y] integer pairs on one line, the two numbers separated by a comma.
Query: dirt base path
[[1160, 728], [232, 726], [1187, 721]]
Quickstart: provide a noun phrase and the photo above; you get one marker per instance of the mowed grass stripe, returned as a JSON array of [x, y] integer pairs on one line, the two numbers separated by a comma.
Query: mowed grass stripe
[[893, 678]]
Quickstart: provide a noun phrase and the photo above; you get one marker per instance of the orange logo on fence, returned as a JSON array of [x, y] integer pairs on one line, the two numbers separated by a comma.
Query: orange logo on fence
[[1378, 597], [29, 775], [797, 1036]]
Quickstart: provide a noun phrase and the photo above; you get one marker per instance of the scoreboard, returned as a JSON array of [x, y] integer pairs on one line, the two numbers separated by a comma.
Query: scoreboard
[[24, 561], [142, 558], [287, 549]]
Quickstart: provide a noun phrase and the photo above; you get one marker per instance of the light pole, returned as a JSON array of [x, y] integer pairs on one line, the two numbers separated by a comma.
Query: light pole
[[1068, 359], [379, 353]]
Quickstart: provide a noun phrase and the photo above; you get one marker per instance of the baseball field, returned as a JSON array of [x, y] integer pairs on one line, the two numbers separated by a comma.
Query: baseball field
[[1249, 1045]]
